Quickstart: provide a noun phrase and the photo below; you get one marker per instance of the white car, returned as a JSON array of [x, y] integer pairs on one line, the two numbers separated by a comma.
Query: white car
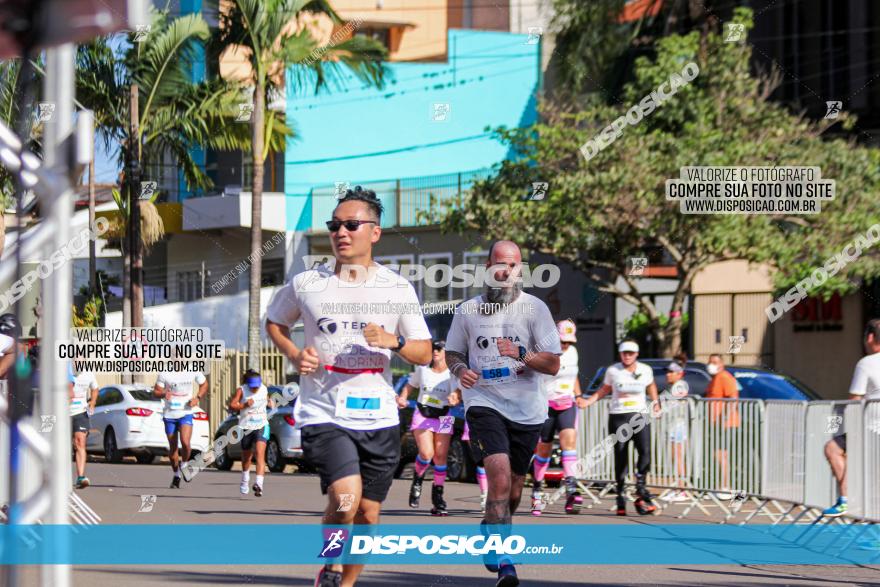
[[128, 420]]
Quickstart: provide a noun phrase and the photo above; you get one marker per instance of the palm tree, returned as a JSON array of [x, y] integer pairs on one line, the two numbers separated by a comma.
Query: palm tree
[[272, 35], [173, 115]]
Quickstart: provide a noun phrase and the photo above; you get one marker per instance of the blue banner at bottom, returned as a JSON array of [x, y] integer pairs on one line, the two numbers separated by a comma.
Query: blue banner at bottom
[[570, 544]]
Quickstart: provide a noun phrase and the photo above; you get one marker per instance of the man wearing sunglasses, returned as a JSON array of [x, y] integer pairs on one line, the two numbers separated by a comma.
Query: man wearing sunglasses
[[347, 407]]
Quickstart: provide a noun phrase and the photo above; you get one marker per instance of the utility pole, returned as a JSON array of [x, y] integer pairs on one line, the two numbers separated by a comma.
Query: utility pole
[[92, 262], [58, 89]]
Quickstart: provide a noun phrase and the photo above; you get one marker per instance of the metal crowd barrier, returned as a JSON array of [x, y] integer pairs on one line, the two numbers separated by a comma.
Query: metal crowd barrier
[[727, 452]]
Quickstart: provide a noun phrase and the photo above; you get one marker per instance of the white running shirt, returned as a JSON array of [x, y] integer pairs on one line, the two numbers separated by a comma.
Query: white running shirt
[[6, 343], [352, 386], [82, 385], [628, 389], [561, 386], [505, 385], [253, 417], [433, 387], [181, 386], [866, 377]]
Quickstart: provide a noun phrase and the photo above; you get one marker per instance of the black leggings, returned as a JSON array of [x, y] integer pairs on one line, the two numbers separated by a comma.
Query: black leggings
[[642, 440]]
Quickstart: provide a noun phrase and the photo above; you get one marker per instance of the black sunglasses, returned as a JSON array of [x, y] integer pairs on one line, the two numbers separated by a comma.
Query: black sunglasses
[[350, 225]]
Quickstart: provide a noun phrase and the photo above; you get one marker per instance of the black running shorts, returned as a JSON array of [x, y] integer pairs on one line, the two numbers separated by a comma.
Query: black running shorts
[[558, 420], [491, 433], [338, 452], [80, 422]]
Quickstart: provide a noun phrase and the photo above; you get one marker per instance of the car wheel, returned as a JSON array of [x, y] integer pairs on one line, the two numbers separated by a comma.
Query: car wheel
[[222, 460], [146, 459], [112, 454], [456, 461], [274, 460]]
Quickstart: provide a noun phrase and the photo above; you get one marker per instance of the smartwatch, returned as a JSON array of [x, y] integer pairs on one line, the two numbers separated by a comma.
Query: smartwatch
[[522, 353], [400, 342]]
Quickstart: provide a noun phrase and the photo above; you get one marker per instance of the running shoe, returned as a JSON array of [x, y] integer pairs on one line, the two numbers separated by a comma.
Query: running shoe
[[675, 496], [82, 482], [837, 510], [573, 503], [258, 491], [483, 497], [507, 577], [243, 488], [328, 578], [175, 483], [439, 508], [621, 505], [537, 503], [724, 495], [415, 492], [646, 506]]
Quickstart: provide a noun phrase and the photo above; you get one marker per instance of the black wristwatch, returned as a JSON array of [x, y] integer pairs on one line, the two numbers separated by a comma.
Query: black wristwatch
[[522, 353], [400, 342]]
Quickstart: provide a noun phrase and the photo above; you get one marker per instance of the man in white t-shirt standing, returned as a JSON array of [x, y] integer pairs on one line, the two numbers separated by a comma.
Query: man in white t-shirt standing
[[865, 385], [498, 346], [177, 389], [354, 314], [83, 393]]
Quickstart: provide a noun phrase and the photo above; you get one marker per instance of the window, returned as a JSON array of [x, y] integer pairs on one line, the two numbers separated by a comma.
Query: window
[[478, 259], [383, 35], [428, 293], [143, 395], [108, 396], [189, 285], [271, 272]]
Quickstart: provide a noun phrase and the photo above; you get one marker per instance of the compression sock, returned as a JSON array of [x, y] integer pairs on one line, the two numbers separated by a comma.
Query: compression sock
[[439, 474], [541, 466], [421, 466], [482, 481], [569, 460]]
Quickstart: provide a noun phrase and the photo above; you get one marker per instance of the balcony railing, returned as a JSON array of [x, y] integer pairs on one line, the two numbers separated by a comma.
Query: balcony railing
[[402, 198]]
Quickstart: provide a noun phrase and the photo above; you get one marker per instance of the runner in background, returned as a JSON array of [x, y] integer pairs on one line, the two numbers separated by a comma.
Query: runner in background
[[83, 393], [347, 408], [251, 401], [177, 390], [678, 429], [865, 385], [564, 396], [432, 426], [629, 382], [722, 386]]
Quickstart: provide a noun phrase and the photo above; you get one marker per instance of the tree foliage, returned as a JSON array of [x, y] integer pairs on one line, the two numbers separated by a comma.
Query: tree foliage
[[598, 214]]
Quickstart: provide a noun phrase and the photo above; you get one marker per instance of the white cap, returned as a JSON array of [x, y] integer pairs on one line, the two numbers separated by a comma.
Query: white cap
[[628, 346], [566, 330]]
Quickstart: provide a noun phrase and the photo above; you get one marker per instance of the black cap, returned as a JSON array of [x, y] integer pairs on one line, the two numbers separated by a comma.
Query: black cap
[[439, 344]]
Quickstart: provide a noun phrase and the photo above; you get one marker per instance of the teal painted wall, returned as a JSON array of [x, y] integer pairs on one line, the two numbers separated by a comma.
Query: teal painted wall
[[351, 132]]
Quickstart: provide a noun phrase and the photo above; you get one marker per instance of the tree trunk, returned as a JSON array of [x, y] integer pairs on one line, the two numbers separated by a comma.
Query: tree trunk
[[256, 229], [137, 253], [2, 231]]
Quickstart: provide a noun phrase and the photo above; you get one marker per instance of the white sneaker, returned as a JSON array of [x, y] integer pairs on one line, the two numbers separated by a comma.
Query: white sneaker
[[244, 488], [483, 497], [676, 496], [724, 495]]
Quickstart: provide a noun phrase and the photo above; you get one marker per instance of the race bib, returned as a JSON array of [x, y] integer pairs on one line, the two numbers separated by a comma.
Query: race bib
[[77, 405], [178, 402], [429, 400], [361, 404], [497, 372]]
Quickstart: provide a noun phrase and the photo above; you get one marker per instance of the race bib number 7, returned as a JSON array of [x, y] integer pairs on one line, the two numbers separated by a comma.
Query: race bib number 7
[[361, 404]]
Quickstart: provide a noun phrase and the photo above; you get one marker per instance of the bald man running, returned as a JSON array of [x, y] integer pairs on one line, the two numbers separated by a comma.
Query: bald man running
[[498, 345]]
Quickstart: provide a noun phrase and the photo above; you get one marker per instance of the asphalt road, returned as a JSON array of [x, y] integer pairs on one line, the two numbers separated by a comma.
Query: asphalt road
[[294, 498]]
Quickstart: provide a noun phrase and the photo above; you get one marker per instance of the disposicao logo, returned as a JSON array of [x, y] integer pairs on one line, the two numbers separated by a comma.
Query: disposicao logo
[[334, 542]]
